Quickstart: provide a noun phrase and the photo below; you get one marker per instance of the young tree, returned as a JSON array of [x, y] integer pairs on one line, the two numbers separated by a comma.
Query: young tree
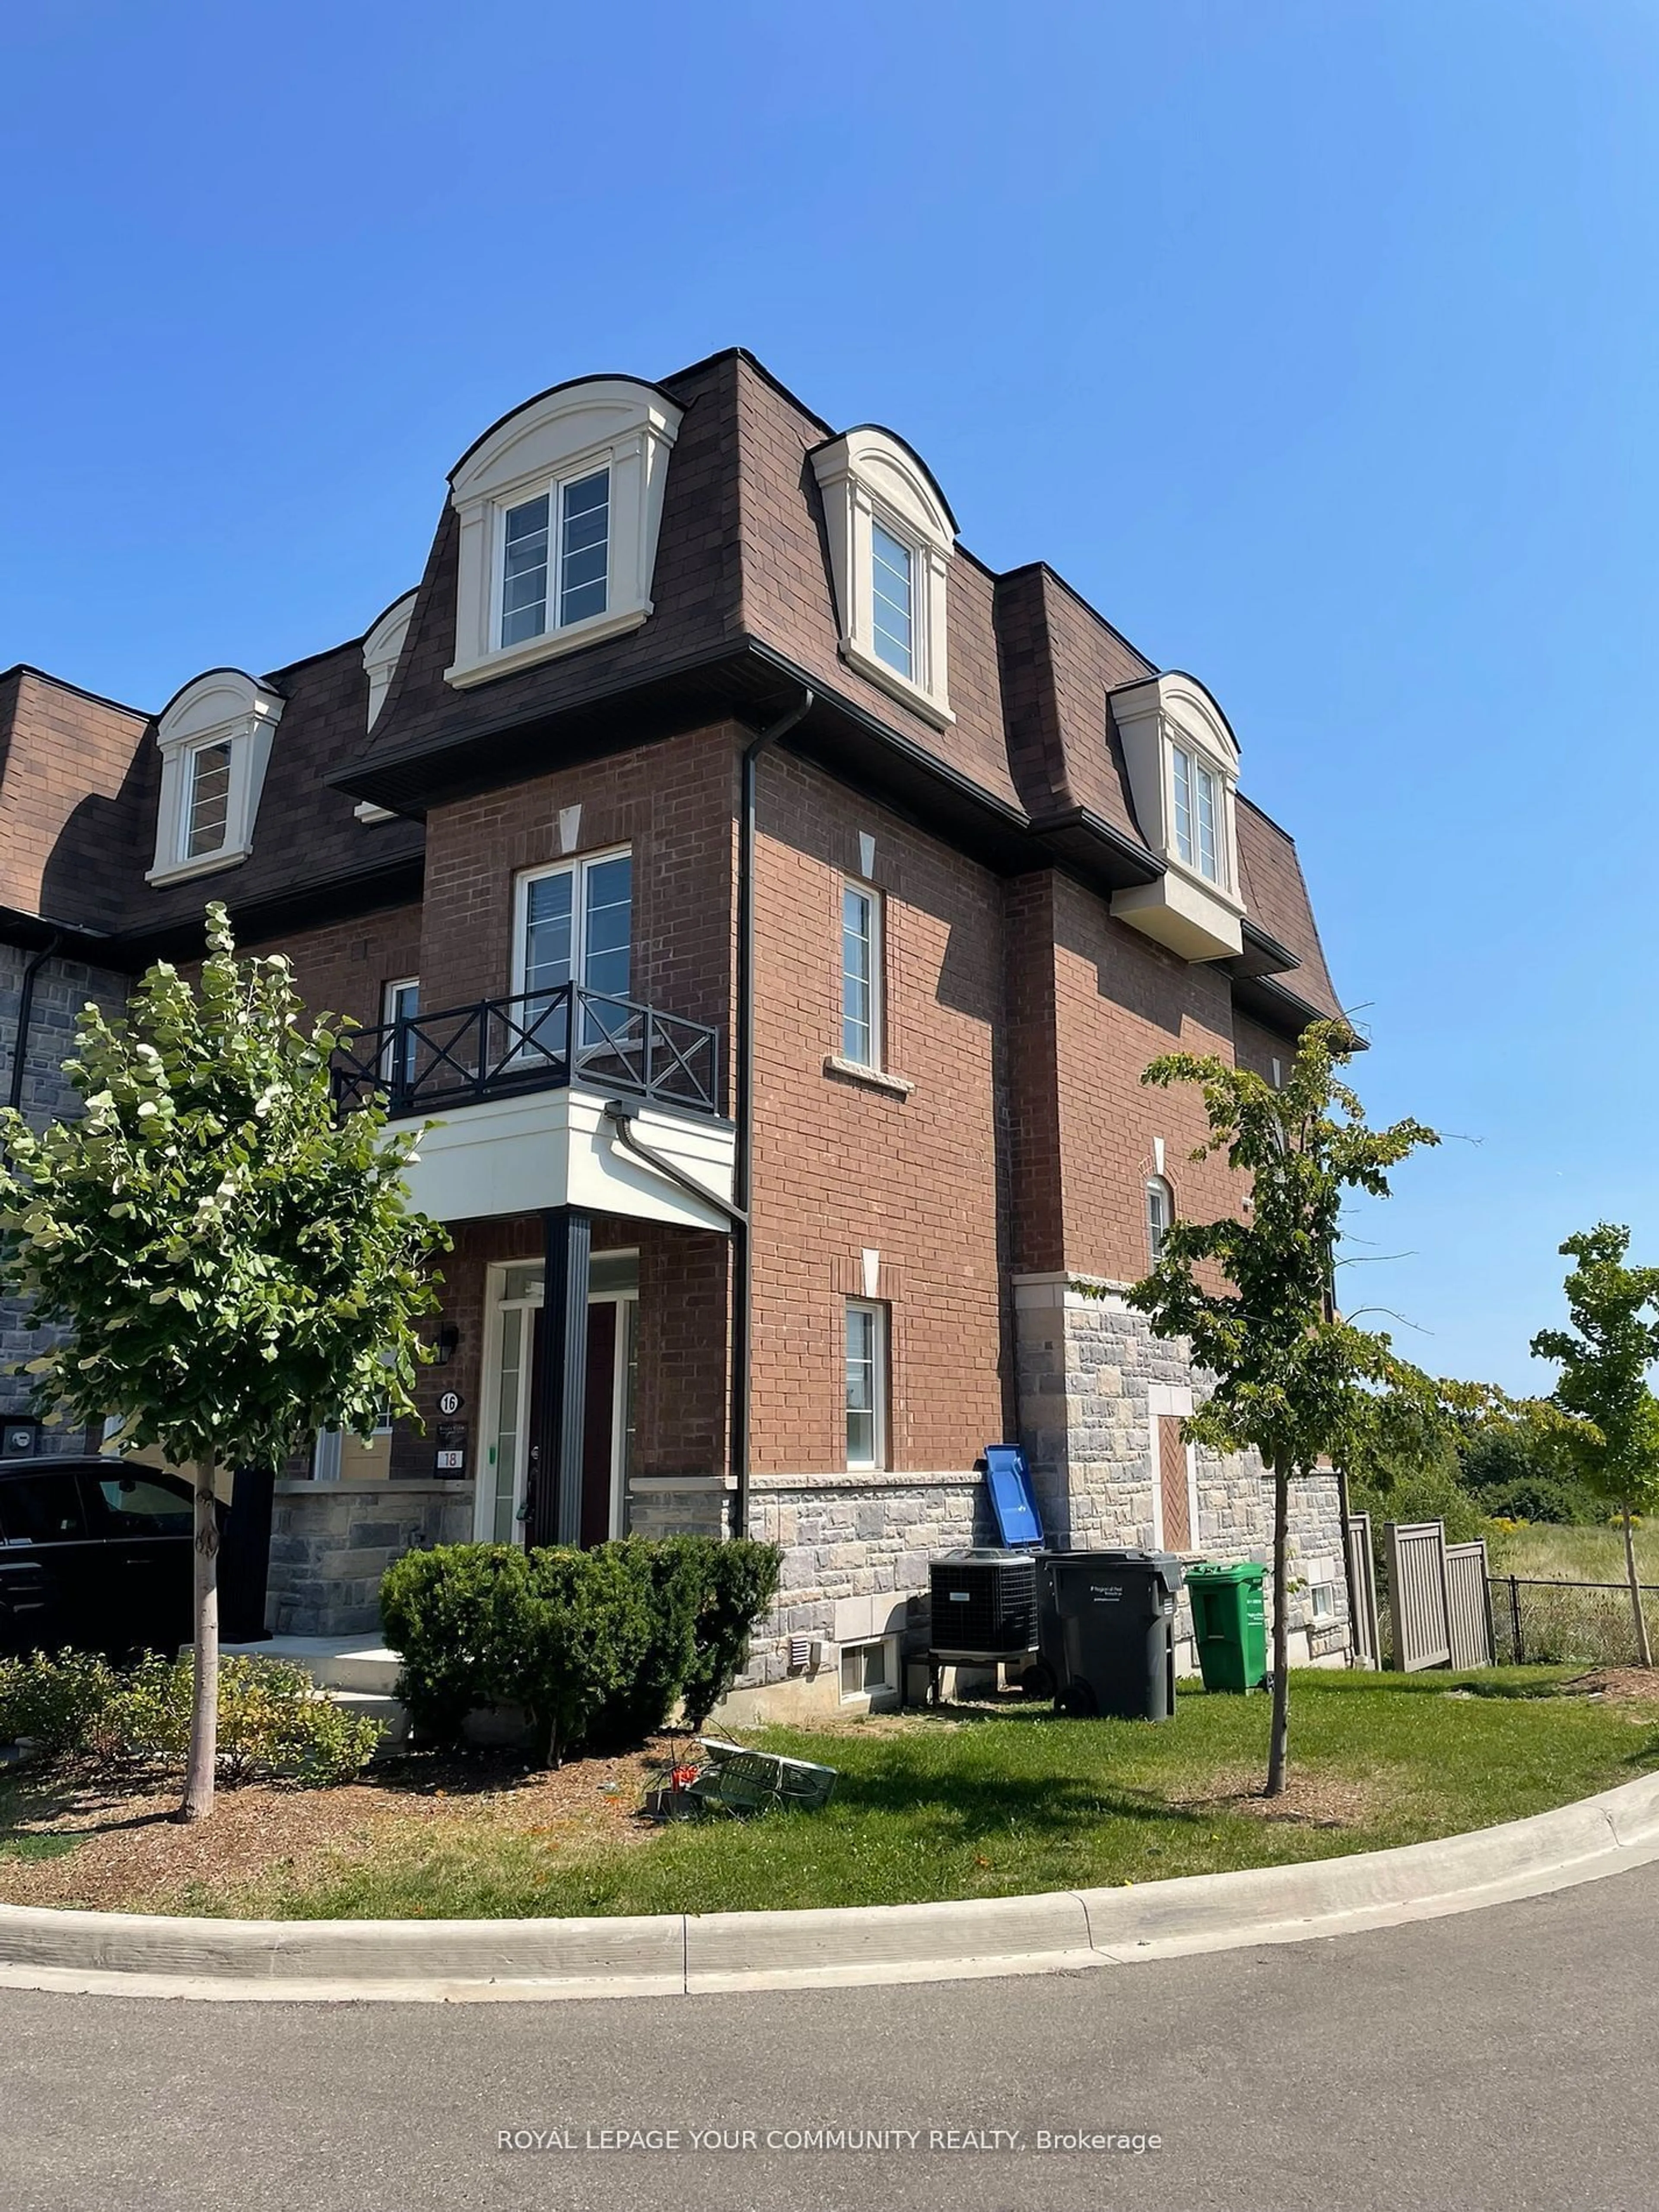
[[233, 1260], [1614, 1433], [1292, 1379]]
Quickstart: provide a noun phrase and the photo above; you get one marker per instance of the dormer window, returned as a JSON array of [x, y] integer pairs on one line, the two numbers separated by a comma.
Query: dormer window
[[214, 740], [210, 800], [560, 507], [1182, 762], [891, 541], [1196, 812], [579, 576]]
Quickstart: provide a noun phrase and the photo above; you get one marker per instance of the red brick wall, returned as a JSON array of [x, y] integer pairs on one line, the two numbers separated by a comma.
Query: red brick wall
[[68, 763], [674, 803], [1120, 1001], [344, 967], [841, 1167]]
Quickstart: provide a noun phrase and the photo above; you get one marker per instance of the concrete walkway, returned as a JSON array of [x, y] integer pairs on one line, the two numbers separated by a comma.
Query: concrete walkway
[[689, 1955]]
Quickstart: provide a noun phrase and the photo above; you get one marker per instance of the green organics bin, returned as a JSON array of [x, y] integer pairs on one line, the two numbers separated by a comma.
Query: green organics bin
[[1230, 1623]]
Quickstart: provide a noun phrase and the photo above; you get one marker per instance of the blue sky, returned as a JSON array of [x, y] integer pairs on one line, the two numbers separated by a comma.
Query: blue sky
[[1314, 344]]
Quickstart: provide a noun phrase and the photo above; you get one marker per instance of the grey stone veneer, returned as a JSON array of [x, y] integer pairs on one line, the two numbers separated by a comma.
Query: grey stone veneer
[[331, 1542], [62, 988]]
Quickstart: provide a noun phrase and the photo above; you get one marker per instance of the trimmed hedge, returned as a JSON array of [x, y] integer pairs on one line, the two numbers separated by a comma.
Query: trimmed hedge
[[597, 1646]]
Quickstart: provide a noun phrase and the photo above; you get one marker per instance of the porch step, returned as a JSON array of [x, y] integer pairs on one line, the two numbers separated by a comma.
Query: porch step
[[370, 1705], [360, 1663]]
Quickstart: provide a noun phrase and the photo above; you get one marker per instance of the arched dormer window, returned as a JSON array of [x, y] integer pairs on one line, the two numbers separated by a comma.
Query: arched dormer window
[[214, 739], [1182, 762], [1160, 1214], [560, 505], [381, 649], [891, 540]]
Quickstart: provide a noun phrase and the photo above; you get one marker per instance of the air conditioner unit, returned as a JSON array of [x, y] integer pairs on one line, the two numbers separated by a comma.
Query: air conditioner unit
[[984, 1605]]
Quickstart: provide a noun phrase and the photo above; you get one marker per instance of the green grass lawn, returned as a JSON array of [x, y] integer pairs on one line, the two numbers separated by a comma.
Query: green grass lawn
[[992, 1804]]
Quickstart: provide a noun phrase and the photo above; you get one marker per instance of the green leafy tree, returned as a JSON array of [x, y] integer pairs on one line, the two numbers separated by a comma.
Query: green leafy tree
[[1605, 1358], [1252, 1293], [233, 1260]]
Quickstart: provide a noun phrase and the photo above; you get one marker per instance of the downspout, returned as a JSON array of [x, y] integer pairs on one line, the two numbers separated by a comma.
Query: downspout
[[25, 1015], [743, 1114]]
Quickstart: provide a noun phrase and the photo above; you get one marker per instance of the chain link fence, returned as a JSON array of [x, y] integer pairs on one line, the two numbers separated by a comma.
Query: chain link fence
[[1568, 1624]]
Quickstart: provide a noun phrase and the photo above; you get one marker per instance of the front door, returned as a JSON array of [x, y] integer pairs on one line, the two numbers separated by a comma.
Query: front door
[[599, 1418], [511, 1470]]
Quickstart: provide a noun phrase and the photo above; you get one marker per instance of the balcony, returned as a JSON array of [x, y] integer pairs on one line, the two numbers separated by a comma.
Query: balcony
[[540, 1041], [517, 1089]]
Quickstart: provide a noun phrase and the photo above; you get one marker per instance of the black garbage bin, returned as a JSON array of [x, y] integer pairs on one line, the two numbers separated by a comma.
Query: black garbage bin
[[1106, 1632]]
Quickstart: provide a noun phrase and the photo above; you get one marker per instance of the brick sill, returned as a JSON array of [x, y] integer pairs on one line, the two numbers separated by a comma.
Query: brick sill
[[871, 1078]]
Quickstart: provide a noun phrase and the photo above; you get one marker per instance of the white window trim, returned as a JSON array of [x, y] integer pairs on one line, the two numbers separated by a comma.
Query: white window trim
[[609, 423], [382, 648], [867, 475], [1149, 1184], [881, 1381], [389, 996], [577, 868], [876, 1063], [224, 707]]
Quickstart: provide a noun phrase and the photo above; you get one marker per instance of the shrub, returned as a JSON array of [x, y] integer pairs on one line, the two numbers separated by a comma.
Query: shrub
[[52, 1700], [272, 1722], [1536, 1497], [597, 1645], [740, 1580]]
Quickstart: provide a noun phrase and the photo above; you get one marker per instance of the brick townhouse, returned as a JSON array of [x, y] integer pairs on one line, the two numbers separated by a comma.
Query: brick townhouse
[[775, 908]]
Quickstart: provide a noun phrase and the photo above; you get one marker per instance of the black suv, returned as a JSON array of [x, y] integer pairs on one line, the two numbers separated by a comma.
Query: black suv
[[93, 1552]]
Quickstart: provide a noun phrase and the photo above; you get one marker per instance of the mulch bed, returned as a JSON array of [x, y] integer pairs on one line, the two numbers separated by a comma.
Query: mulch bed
[[131, 1855], [1639, 1683], [1310, 1799]]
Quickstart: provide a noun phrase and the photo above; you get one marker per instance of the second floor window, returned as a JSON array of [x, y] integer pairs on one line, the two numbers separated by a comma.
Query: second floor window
[[556, 555], [400, 1003], [861, 975], [207, 803], [576, 925], [1197, 841]]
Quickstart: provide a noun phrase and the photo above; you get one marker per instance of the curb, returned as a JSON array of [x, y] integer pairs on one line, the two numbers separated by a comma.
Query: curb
[[675, 1954]]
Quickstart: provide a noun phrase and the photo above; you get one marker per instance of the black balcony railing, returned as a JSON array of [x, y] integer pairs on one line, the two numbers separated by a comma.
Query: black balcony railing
[[540, 1041]]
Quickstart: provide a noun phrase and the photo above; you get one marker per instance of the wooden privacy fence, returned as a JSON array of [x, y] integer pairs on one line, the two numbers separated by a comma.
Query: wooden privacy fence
[[1438, 1610]]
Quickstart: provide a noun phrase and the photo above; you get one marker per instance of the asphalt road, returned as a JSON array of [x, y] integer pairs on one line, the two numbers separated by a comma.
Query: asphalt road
[[1502, 2059]]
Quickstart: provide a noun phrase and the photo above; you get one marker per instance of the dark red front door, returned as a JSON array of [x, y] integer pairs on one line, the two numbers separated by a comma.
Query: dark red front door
[[597, 1420], [597, 1424]]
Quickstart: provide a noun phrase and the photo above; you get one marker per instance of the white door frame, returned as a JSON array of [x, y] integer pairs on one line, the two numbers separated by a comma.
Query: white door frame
[[1169, 1401], [495, 1305]]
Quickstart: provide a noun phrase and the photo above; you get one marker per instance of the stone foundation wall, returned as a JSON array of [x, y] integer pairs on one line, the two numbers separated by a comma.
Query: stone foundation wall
[[331, 1543], [1092, 1377]]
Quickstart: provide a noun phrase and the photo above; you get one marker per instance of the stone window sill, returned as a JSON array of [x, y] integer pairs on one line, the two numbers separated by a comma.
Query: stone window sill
[[871, 1078]]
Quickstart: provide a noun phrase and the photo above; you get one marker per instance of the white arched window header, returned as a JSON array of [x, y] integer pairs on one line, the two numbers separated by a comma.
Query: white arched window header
[[1182, 762], [567, 487], [214, 739], [891, 539], [381, 650]]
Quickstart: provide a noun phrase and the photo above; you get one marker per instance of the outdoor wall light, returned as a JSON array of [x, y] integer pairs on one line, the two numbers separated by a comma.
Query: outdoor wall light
[[446, 1344]]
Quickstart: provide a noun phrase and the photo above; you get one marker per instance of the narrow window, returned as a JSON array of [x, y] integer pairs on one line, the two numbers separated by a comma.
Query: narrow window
[[893, 591], [585, 550], [867, 1384], [860, 977], [1160, 1213], [524, 572], [208, 813], [1196, 812], [400, 1003]]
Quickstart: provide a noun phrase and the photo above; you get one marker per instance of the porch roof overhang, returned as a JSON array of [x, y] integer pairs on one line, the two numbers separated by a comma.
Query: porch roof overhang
[[542, 1149]]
